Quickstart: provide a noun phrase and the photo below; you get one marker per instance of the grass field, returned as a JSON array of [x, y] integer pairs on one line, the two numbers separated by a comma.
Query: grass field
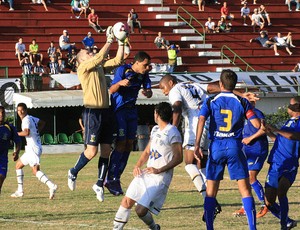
[[80, 209]]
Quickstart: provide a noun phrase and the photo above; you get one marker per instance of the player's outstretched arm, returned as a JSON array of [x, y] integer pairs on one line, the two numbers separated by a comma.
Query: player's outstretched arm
[[260, 132], [286, 134]]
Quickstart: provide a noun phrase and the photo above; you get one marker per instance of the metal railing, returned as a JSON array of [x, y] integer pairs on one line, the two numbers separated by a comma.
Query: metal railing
[[189, 21], [235, 56], [3, 72]]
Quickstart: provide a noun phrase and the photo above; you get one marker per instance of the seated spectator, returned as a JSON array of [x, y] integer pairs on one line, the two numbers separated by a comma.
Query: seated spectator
[[84, 5], [133, 21], [20, 50], [53, 66], [263, 12], [94, 22], [225, 13], [223, 26], [127, 48], [51, 49], [11, 4], [284, 41], [245, 13], [72, 59], [64, 42], [291, 2], [297, 67], [160, 41], [75, 8], [201, 4], [257, 20], [34, 54], [209, 26], [40, 2], [173, 50], [263, 39], [88, 41]]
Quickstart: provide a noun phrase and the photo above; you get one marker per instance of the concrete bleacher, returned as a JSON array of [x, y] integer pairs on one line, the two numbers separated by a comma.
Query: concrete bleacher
[[31, 21]]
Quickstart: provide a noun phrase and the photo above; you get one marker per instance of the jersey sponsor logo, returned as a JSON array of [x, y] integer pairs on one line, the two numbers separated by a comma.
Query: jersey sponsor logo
[[219, 134], [154, 154]]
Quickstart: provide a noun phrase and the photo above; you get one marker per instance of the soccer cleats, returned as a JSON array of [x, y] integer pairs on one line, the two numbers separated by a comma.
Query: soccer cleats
[[240, 212], [218, 210], [291, 224], [52, 192], [17, 194], [71, 181], [99, 192], [263, 211], [114, 187]]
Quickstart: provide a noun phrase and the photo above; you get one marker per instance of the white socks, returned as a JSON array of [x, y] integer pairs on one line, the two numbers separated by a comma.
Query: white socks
[[20, 176], [197, 179], [44, 179], [121, 218]]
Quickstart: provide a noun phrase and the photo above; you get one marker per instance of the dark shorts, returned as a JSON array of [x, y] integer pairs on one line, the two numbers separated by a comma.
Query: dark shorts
[[98, 126], [127, 121]]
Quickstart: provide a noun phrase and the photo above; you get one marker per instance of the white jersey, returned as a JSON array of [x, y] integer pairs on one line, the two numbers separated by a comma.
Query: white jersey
[[33, 140], [161, 150]]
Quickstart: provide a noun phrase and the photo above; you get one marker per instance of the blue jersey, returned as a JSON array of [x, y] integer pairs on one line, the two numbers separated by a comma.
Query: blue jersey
[[285, 152], [126, 96], [8, 133], [227, 113], [260, 142]]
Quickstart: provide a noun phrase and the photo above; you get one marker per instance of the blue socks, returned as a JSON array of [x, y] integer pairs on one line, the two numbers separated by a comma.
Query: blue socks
[[259, 190], [284, 209], [209, 210], [82, 161], [102, 170], [123, 163], [249, 206], [114, 165]]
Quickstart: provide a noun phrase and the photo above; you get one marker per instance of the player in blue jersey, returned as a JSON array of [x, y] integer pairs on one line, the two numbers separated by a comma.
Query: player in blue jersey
[[227, 113], [256, 148], [284, 163], [7, 133], [124, 90]]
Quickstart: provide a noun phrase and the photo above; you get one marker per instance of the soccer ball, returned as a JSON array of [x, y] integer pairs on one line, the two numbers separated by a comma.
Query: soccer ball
[[120, 31]]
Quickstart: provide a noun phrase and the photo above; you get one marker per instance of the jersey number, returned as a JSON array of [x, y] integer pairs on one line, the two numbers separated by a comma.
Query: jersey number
[[227, 120]]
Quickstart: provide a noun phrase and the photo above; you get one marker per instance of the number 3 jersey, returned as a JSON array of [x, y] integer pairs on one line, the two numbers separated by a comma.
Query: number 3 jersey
[[227, 113], [161, 149]]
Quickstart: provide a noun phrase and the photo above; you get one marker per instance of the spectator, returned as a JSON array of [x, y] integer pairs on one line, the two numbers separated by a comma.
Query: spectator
[[26, 66], [95, 50], [51, 49], [245, 13], [11, 4], [133, 21], [223, 26], [225, 12], [94, 22], [88, 41], [263, 12], [290, 2], [201, 4], [53, 65], [209, 26], [127, 48], [75, 8], [263, 39], [20, 50], [58, 53], [284, 41], [64, 42], [34, 54], [257, 20], [72, 59], [297, 67], [161, 42], [173, 50], [39, 2], [84, 5], [38, 68]]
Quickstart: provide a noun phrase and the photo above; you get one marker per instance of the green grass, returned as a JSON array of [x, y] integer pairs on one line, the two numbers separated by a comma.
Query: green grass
[[80, 209]]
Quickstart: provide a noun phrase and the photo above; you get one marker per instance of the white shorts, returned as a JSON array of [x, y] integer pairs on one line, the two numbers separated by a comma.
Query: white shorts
[[148, 191], [31, 156]]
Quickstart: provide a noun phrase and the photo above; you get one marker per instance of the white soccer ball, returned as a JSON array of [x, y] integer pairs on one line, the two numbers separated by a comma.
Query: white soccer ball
[[120, 31]]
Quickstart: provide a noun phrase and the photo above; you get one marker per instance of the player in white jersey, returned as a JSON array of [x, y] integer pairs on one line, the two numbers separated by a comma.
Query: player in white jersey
[[149, 187], [33, 150]]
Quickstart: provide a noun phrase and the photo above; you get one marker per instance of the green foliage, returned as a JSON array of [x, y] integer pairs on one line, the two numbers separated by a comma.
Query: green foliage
[[279, 118]]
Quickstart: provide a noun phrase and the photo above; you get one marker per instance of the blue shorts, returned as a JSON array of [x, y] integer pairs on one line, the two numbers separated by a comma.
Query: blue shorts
[[127, 121], [98, 126], [3, 168], [276, 172], [255, 158], [226, 152]]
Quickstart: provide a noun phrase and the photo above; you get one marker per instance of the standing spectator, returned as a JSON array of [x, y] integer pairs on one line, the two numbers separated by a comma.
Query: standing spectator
[[26, 66], [284, 41], [97, 115], [201, 4], [225, 12], [160, 41], [227, 113], [263, 39], [38, 69], [20, 50], [257, 20], [34, 53], [88, 41], [263, 12], [64, 42], [245, 13], [39, 2], [148, 189], [290, 2], [72, 59], [124, 90], [284, 163], [209, 26], [31, 127], [133, 20], [51, 49], [173, 50], [223, 26], [84, 5], [127, 48], [8, 133], [296, 68], [94, 22], [75, 8], [53, 65]]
